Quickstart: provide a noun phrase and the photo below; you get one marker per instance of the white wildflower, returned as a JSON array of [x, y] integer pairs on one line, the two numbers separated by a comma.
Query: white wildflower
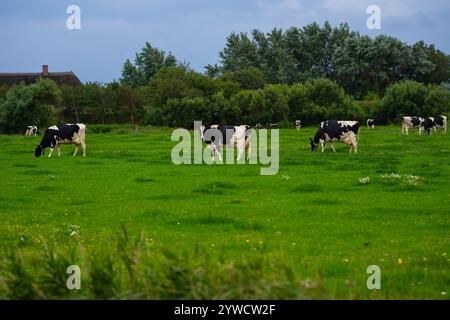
[[365, 180]]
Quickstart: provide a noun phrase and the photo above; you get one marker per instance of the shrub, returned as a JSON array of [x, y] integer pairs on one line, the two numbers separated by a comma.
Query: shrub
[[412, 98], [34, 104], [402, 98]]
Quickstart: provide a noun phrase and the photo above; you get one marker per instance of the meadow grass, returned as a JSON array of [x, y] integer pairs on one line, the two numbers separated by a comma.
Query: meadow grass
[[141, 227]]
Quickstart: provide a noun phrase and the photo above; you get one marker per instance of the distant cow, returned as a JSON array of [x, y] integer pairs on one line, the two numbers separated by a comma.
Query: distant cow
[[331, 131], [370, 123], [62, 134], [429, 124], [218, 136], [258, 126], [440, 122], [298, 124], [31, 131], [412, 122]]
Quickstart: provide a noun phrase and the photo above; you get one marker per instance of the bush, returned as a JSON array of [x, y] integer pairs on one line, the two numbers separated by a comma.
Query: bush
[[412, 98], [437, 100], [35, 104], [247, 78]]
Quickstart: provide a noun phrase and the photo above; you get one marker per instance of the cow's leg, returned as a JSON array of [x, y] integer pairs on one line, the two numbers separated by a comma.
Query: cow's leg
[[59, 150], [323, 147], [83, 146], [248, 148], [240, 152], [332, 147], [50, 153], [77, 146], [216, 151]]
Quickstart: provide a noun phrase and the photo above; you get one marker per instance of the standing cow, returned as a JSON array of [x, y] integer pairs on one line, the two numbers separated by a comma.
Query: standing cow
[[331, 131], [429, 124], [412, 122], [31, 131], [63, 134], [440, 122], [218, 136], [298, 124], [370, 123]]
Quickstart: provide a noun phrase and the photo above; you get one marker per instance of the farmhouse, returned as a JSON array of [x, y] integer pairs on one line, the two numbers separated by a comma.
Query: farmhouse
[[67, 77]]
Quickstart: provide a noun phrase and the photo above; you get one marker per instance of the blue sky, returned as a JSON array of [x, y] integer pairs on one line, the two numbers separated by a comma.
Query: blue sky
[[33, 33]]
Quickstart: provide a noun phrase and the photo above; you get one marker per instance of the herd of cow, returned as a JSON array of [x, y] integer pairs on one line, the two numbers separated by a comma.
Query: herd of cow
[[218, 136]]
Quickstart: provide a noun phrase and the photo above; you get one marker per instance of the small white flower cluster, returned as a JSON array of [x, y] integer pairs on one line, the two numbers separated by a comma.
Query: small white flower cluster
[[407, 179], [411, 180], [365, 180], [286, 177], [74, 230], [391, 176]]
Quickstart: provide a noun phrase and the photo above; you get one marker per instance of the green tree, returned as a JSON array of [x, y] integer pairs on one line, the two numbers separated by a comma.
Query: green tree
[[440, 71], [240, 52], [70, 109], [35, 104], [437, 100], [403, 98], [248, 78], [147, 63]]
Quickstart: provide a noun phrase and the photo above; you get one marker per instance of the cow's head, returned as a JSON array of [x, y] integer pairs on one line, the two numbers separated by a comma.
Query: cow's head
[[38, 151], [313, 144]]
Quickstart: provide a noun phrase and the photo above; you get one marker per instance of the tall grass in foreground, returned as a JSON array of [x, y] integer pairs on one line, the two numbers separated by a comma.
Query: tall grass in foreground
[[132, 270]]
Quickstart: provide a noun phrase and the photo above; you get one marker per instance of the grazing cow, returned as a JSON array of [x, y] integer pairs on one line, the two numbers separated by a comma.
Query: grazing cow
[[429, 124], [370, 123], [63, 134], [217, 136], [440, 122], [331, 131], [258, 126], [298, 124], [31, 131], [412, 122]]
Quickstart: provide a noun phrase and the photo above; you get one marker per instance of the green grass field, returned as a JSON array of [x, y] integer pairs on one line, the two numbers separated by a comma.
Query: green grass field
[[225, 231]]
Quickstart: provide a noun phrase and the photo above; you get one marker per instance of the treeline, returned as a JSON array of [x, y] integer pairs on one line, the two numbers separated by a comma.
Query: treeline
[[358, 63], [313, 73], [44, 103]]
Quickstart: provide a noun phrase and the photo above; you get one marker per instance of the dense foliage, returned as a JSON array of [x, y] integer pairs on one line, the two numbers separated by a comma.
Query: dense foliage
[[34, 104], [358, 63]]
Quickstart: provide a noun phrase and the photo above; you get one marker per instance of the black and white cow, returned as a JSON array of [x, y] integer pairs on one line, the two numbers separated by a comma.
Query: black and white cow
[[412, 122], [298, 124], [333, 130], [63, 134], [370, 123], [218, 136], [258, 126], [429, 124], [440, 122], [31, 131]]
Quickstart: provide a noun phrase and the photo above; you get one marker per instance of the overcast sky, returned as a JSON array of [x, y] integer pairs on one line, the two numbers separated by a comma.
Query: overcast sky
[[33, 33]]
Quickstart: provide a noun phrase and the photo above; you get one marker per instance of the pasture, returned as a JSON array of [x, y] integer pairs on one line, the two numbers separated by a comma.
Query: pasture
[[310, 231]]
